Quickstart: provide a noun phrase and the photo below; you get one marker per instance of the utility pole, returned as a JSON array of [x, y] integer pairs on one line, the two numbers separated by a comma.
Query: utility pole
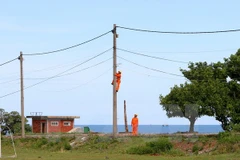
[[22, 95], [1, 114], [125, 117], [114, 81]]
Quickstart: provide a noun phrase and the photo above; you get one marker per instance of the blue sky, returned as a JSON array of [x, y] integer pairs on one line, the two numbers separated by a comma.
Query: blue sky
[[31, 27]]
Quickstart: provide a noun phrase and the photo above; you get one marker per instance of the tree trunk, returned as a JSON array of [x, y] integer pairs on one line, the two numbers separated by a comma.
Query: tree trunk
[[192, 122]]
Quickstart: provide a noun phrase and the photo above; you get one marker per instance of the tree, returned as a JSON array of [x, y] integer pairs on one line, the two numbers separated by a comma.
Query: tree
[[215, 89], [184, 101], [12, 121], [233, 71], [205, 94], [217, 96]]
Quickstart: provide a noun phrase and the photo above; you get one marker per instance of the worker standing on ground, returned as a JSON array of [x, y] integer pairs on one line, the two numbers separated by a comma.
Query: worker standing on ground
[[134, 124], [118, 80]]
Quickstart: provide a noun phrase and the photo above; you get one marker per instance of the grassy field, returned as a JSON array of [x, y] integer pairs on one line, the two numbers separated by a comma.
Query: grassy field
[[92, 147], [72, 155]]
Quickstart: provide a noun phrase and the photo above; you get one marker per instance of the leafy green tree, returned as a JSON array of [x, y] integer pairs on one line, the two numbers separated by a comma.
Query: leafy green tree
[[205, 94], [214, 88], [182, 102], [233, 71], [12, 121], [211, 90]]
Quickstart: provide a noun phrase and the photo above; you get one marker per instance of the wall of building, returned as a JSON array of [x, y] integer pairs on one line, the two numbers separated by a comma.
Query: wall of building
[[36, 126], [67, 128], [52, 127]]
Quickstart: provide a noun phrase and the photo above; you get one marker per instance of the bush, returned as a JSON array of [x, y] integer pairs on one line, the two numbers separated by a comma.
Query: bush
[[227, 137], [40, 142], [196, 148], [236, 127], [228, 142], [67, 146], [161, 145], [154, 147], [100, 142], [222, 135]]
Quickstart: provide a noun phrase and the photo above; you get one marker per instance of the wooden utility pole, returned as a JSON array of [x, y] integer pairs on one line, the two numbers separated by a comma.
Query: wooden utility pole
[[125, 117], [22, 95], [114, 81]]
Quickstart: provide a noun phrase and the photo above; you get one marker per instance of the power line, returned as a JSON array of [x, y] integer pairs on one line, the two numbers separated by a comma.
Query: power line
[[77, 70], [56, 74], [204, 51], [65, 90], [10, 81], [8, 62], [169, 32], [185, 78], [63, 49], [156, 70], [136, 53], [149, 75]]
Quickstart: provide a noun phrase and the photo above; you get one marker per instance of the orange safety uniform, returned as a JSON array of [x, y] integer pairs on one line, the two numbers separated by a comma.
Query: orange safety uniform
[[118, 80], [134, 125]]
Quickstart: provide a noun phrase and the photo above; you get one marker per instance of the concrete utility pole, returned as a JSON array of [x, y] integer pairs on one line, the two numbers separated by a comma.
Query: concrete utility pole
[[125, 117], [22, 95], [114, 81], [1, 117]]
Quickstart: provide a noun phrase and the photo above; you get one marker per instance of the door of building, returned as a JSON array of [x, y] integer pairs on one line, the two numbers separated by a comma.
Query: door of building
[[43, 128]]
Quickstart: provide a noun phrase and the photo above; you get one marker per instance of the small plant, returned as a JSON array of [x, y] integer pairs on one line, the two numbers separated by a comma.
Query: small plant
[[222, 135], [67, 146], [195, 148], [236, 127], [154, 147], [161, 145]]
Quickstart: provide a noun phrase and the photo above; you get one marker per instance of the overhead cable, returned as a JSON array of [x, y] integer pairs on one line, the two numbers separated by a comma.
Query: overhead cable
[[10, 81], [65, 90], [8, 62], [156, 70], [170, 32], [203, 51], [151, 56], [75, 71], [56, 74], [63, 49]]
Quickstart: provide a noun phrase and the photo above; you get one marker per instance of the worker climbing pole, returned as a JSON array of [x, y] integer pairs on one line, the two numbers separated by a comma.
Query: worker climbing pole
[[118, 76]]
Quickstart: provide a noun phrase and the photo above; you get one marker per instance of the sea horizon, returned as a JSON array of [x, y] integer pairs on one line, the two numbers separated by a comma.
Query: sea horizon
[[155, 129]]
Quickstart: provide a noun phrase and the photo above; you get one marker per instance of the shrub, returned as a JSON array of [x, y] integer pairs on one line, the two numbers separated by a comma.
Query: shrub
[[229, 138], [161, 145], [67, 146], [236, 127], [40, 142], [222, 135], [154, 147], [196, 148]]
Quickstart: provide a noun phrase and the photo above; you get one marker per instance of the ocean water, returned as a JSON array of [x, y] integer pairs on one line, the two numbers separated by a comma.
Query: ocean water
[[155, 129]]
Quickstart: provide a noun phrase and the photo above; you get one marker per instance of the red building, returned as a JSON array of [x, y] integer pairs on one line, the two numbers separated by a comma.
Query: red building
[[49, 124]]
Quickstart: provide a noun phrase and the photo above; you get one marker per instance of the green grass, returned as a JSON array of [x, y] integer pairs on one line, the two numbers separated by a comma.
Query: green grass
[[57, 148], [29, 154]]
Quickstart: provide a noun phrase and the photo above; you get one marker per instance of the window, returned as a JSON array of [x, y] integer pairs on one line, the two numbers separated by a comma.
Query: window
[[66, 123], [54, 123]]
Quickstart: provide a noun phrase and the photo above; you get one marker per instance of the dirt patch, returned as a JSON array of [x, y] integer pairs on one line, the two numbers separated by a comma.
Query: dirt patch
[[187, 147]]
